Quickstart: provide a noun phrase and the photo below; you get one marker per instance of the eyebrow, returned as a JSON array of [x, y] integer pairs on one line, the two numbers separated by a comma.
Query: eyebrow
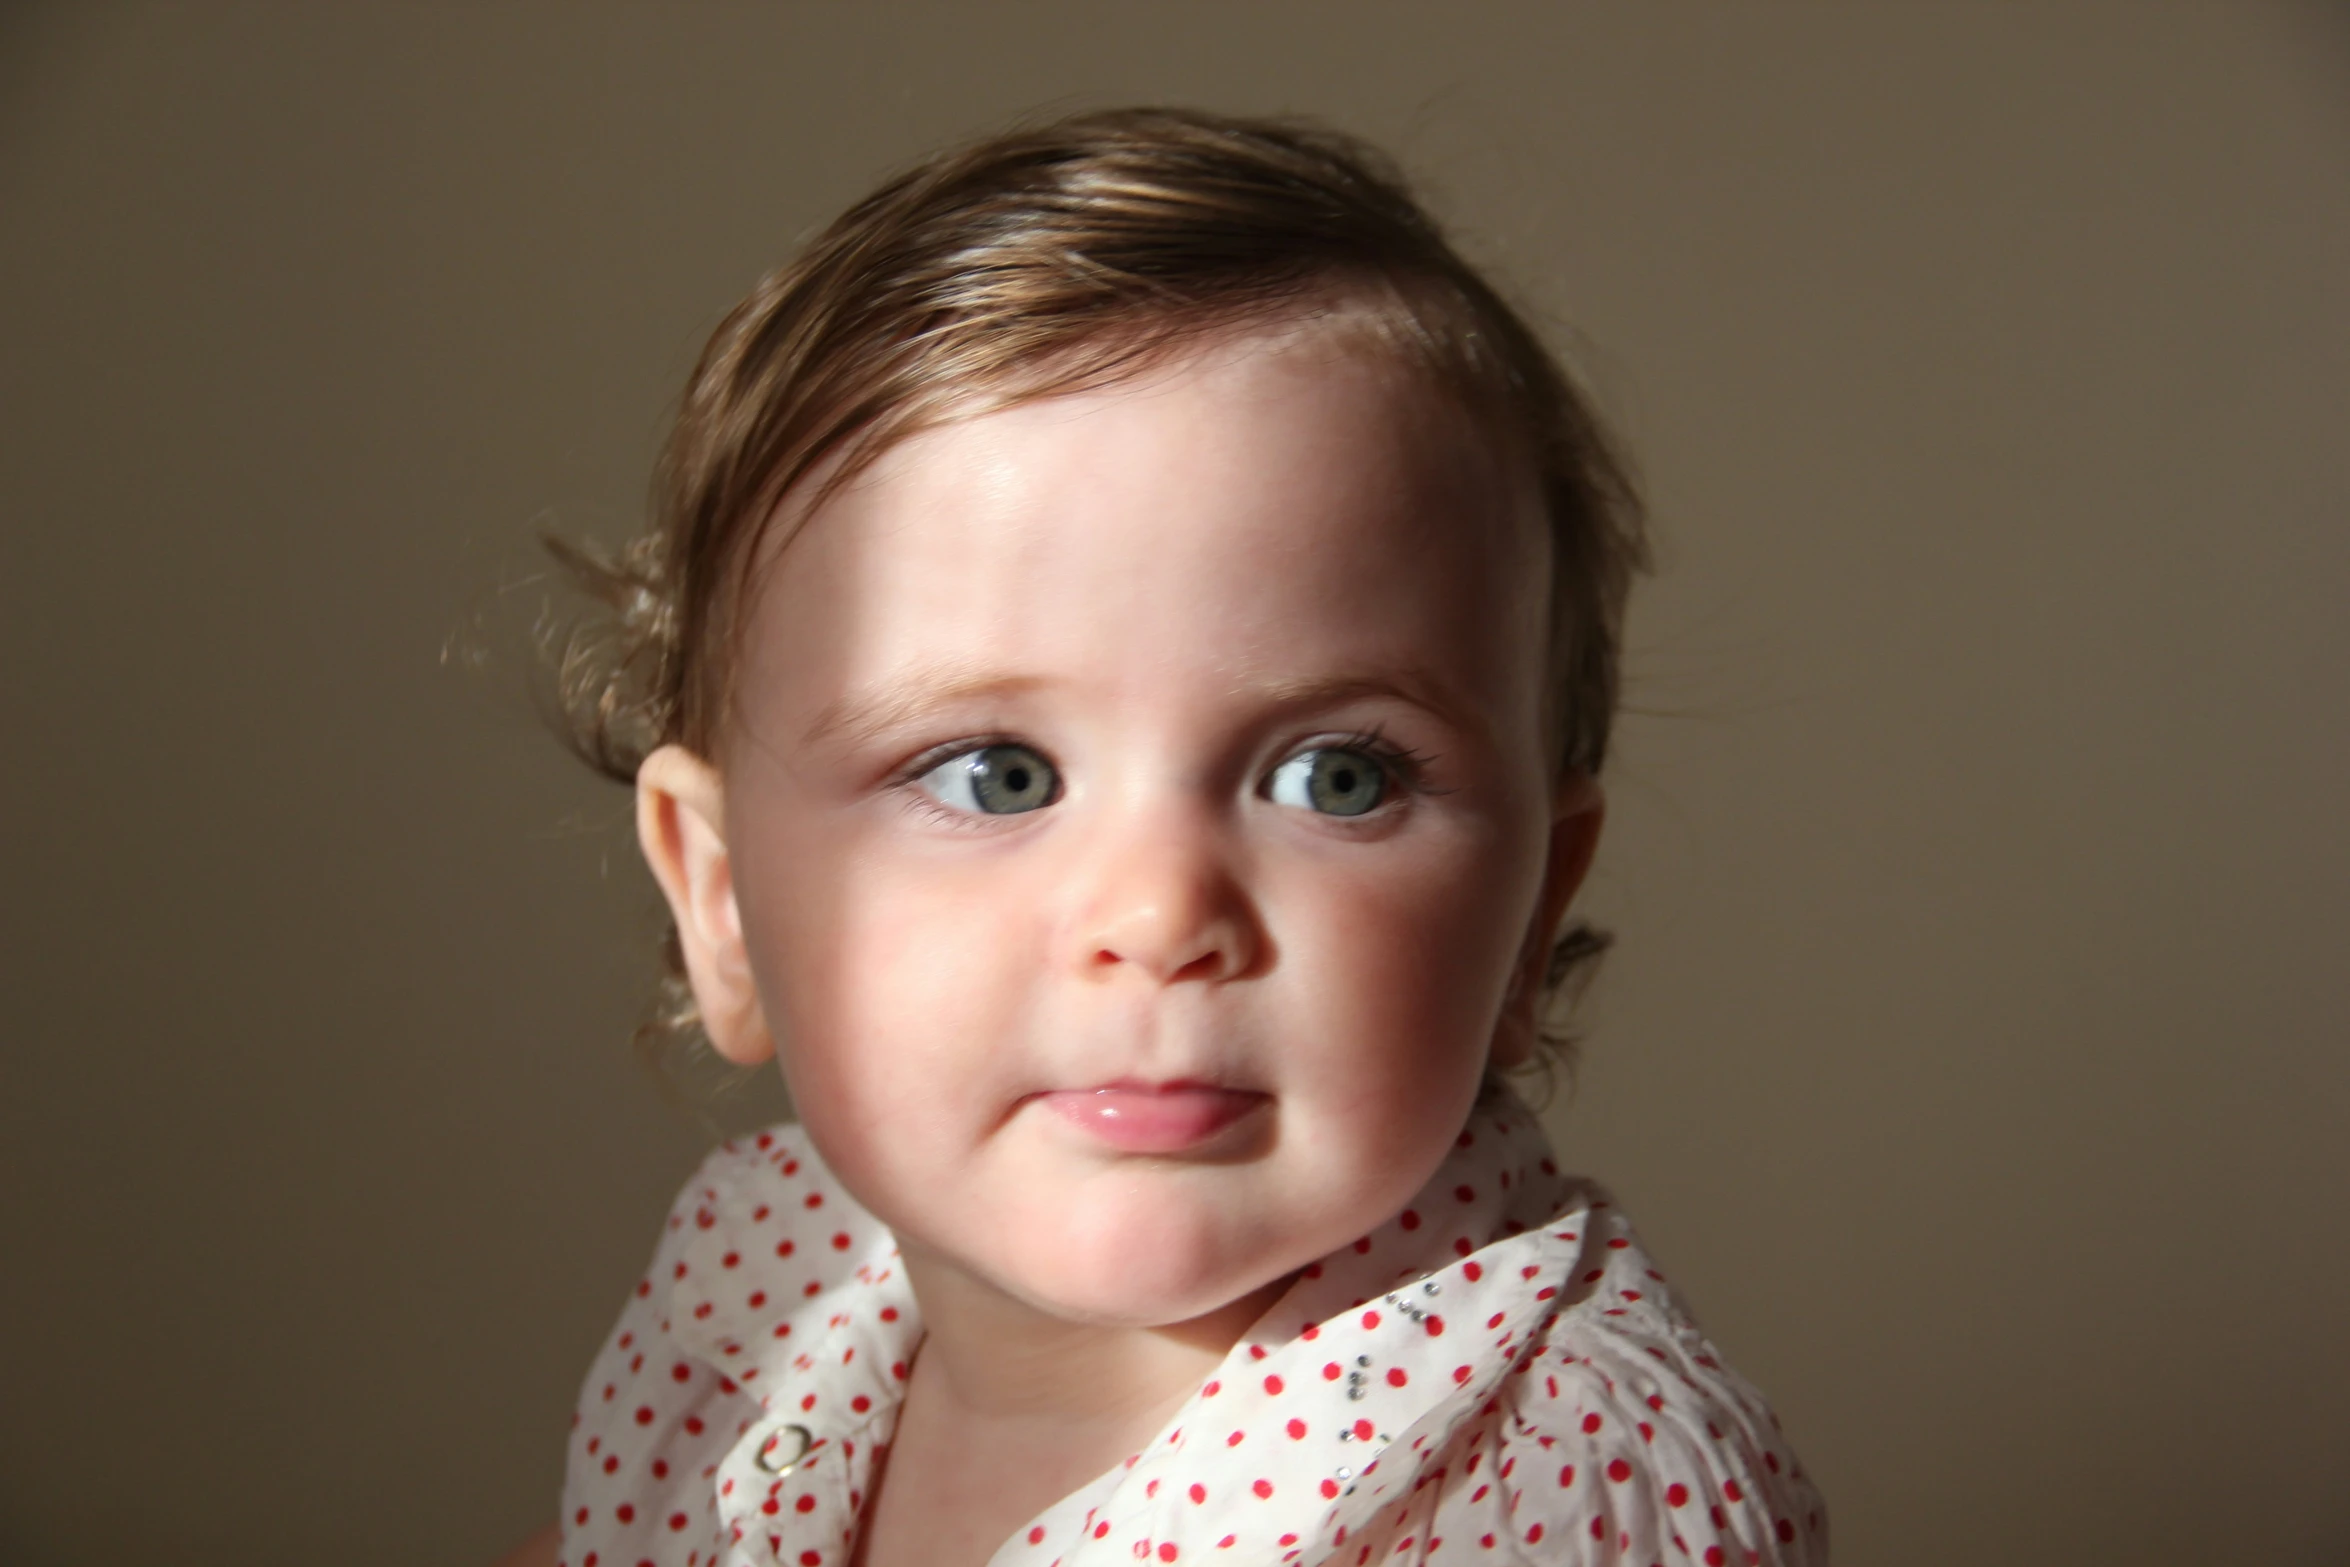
[[1414, 687], [858, 718]]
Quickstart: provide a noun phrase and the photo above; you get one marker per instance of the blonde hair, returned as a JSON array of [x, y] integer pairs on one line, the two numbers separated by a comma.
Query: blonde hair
[[1051, 258]]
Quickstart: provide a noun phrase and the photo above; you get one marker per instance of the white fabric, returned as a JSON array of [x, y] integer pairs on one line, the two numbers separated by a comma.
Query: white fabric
[[1496, 1375]]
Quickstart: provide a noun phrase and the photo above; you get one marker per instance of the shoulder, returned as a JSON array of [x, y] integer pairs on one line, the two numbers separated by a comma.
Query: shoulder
[[1627, 1431], [652, 1412]]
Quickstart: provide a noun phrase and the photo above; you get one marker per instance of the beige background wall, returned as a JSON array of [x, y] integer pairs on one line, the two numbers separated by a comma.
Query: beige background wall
[[1975, 1052]]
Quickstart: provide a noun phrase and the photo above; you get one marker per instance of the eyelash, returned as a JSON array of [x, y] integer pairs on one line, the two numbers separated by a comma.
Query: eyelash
[[1405, 767]]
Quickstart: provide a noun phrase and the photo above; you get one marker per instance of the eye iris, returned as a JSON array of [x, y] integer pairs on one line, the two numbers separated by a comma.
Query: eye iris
[[1007, 779], [1343, 783]]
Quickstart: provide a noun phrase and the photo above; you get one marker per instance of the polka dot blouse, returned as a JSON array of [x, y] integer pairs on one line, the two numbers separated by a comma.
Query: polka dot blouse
[[1498, 1374]]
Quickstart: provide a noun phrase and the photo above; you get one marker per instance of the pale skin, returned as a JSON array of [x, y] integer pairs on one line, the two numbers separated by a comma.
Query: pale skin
[[1176, 601]]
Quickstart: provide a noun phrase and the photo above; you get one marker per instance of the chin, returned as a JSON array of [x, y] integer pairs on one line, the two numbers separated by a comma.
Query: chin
[[1141, 1265]]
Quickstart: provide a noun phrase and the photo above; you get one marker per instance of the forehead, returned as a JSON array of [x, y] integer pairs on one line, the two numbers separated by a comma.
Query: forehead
[[1267, 507]]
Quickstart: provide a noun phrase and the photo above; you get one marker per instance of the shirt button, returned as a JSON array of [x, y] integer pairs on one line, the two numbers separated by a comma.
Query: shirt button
[[785, 1446]]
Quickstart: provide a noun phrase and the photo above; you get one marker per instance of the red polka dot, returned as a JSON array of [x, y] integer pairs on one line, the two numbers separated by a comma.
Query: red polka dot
[[806, 1504], [625, 1513], [1730, 1489], [1567, 1476], [1460, 1373], [1297, 1430], [676, 1523], [815, 1200], [1534, 1534], [1036, 1535], [1410, 1220], [1713, 1556], [1100, 1529], [1465, 1193], [1396, 1376], [1329, 1488], [1234, 1439], [1167, 1551], [860, 1403], [1472, 1272], [1263, 1488], [1330, 1372], [1618, 1470], [1676, 1495], [1273, 1384], [1199, 1493], [1591, 1423], [644, 1415]]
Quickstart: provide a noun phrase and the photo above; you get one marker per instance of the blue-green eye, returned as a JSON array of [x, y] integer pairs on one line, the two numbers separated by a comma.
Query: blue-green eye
[[993, 780], [1331, 779]]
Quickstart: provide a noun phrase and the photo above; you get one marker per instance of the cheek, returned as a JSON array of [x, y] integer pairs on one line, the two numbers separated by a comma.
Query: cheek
[[876, 973], [1410, 965]]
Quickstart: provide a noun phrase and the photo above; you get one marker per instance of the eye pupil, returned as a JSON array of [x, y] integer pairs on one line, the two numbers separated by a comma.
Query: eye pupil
[[1007, 779], [1342, 783]]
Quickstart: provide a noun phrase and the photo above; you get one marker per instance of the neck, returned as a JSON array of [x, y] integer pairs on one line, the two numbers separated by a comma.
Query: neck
[[1000, 1360]]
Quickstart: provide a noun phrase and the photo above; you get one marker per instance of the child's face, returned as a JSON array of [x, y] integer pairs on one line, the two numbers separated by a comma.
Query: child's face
[[1194, 975]]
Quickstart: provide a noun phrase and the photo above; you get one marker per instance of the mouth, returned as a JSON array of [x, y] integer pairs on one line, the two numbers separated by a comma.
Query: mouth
[[1138, 1117]]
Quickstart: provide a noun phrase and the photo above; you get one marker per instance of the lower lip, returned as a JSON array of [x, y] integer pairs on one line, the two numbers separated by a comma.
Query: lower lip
[[1152, 1120]]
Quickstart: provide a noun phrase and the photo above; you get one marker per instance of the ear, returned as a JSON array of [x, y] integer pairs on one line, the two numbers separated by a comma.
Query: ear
[[1577, 811], [680, 823]]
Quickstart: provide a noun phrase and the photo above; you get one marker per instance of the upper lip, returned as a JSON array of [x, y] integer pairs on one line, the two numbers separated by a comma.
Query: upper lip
[[1138, 1085]]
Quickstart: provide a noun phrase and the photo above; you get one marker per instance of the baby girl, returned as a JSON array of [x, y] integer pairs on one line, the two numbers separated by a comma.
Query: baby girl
[[1114, 696]]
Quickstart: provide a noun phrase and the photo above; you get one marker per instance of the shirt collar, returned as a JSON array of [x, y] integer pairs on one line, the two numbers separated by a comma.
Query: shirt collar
[[1362, 1368]]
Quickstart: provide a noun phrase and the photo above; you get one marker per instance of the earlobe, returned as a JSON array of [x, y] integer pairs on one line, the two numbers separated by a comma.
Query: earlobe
[[1577, 812], [680, 823]]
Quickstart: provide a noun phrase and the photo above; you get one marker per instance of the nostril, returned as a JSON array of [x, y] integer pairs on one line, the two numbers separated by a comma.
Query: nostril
[[1208, 965]]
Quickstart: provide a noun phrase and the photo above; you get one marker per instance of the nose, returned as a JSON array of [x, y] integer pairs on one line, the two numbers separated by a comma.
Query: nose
[[1164, 901]]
